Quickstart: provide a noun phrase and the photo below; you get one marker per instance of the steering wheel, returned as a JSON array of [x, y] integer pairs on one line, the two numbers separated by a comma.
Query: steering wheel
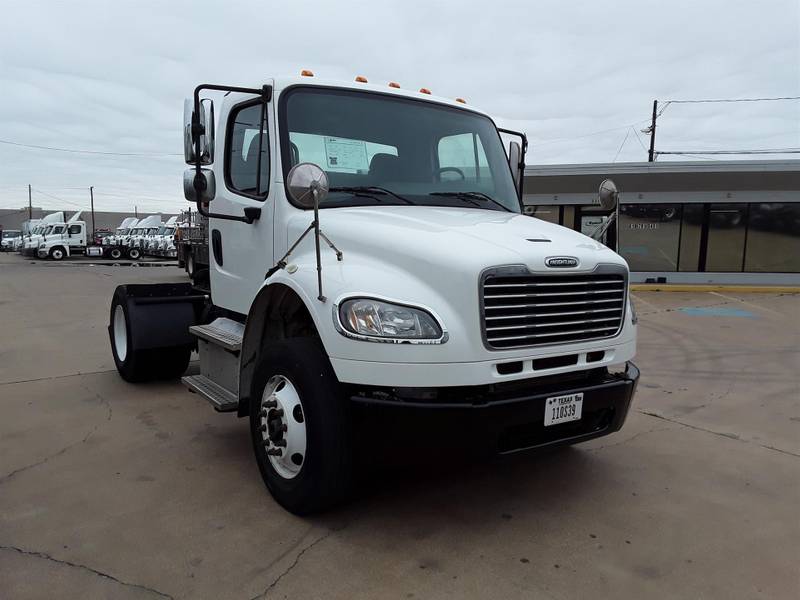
[[441, 170]]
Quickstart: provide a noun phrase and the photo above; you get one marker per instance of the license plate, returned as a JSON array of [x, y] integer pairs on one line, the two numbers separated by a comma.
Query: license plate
[[562, 409]]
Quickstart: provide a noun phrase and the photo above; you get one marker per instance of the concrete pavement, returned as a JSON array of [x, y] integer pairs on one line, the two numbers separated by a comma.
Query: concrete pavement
[[113, 490]]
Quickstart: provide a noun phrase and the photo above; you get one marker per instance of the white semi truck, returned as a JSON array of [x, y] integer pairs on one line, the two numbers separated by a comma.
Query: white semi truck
[[367, 250], [30, 244], [64, 240]]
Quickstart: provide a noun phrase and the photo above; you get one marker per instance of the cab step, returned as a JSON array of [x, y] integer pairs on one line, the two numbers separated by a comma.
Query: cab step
[[222, 332], [222, 399]]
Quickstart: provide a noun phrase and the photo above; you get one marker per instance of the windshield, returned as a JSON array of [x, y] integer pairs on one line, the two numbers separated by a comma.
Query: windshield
[[10, 234], [418, 152]]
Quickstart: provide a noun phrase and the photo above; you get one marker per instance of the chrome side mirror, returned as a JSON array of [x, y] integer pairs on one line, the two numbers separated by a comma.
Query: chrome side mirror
[[608, 194], [206, 188], [515, 162], [308, 185], [206, 121]]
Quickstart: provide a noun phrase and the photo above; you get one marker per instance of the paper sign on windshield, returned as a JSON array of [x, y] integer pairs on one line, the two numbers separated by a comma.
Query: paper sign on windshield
[[342, 153]]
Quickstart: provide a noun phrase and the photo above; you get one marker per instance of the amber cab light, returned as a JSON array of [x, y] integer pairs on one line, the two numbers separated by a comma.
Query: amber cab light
[[424, 91], [306, 73], [361, 79], [461, 100], [394, 84]]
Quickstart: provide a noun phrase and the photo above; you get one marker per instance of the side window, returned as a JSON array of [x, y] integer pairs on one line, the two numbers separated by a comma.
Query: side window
[[462, 154], [58, 229], [74, 229], [247, 158]]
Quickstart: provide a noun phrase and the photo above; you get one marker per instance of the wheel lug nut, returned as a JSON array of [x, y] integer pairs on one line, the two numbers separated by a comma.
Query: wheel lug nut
[[270, 404], [279, 412], [274, 452], [281, 443]]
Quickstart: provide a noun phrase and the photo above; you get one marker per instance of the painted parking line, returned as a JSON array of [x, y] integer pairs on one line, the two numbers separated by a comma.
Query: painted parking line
[[717, 311]]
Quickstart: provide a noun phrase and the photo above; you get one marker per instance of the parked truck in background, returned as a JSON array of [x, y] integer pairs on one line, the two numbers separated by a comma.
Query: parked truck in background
[[65, 240], [367, 251], [192, 247], [8, 237], [30, 243]]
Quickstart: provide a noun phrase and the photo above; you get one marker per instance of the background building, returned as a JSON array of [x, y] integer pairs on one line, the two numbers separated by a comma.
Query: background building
[[699, 221]]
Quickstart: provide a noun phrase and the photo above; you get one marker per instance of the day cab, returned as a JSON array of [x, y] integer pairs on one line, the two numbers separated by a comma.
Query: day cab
[[368, 251]]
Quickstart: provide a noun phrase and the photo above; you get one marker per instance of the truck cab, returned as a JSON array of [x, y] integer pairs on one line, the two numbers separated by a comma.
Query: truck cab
[[9, 237], [368, 249], [64, 241]]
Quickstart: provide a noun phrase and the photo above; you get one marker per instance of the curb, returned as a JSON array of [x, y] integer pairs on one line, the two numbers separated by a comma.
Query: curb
[[700, 287]]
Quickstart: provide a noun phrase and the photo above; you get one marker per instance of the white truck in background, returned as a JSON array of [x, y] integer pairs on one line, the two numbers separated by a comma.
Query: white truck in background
[[9, 238], [30, 244], [368, 255], [159, 243], [65, 240], [146, 228]]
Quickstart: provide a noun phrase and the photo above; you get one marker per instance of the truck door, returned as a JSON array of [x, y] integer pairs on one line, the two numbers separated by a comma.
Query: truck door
[[76, 236], [241, 253]]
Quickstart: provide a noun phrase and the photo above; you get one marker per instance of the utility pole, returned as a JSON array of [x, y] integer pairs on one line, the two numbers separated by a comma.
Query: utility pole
[[30, 206], [91, 195], [651, 156], [136, 212]]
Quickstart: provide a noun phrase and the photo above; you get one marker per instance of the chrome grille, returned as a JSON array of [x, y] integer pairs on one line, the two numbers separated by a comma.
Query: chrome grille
[[522, 309]]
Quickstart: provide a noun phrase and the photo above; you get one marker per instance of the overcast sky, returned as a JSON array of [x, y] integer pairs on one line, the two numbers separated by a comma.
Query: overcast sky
[[578, 77]]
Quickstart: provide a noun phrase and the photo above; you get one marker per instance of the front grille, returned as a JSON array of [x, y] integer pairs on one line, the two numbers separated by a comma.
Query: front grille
[[532, 310]]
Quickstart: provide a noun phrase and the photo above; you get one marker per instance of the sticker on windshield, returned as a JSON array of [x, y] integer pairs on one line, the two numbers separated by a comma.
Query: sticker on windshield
[[342, 153]]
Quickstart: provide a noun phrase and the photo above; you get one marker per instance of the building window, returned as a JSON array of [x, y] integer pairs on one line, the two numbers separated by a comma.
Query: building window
[[773, 238], [650, 236], [691, 235], [727, 226], [248, 152]]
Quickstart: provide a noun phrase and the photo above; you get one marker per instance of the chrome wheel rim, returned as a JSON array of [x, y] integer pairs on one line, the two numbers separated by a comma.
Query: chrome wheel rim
[[57, 254], [283, 427], [120, 333]]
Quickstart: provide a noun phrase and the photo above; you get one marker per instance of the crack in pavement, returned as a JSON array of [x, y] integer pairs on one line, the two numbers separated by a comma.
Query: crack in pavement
[[45, 556], [730, 436], [627, 440], [79, 374], [297, 558], [15, 472]]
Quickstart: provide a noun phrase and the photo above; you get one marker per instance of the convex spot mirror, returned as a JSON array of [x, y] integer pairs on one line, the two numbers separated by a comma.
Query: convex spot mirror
[[206, 122], [308, 184], [608, 194]]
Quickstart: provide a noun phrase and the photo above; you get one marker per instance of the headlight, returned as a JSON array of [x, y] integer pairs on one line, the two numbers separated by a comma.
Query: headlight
[[634, 317], [369, 319]]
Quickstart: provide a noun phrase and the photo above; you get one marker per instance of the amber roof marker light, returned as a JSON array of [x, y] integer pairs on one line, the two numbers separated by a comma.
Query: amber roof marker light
[[394, 84], [361, 79], [424, 91], [306, 73], [461, 100]]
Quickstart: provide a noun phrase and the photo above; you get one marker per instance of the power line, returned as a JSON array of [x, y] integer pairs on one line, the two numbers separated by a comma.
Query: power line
[[732, 100], [577, 137], [758, 151], [101, 152], [627, 133]]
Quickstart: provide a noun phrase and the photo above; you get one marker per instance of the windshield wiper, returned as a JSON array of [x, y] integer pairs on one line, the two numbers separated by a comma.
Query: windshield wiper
[[371, 191], [471, 197]]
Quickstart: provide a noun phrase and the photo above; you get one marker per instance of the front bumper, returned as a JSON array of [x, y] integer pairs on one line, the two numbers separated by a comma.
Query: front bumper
[[504, 419]]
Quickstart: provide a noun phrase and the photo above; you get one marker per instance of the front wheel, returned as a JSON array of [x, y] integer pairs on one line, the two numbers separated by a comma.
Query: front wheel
[[300, 427], [57, 253]]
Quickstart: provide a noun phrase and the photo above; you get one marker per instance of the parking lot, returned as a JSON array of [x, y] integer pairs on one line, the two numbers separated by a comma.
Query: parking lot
[[113, 490]]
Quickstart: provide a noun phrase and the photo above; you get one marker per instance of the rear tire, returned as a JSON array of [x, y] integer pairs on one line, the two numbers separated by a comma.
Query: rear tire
[[323, 473], [134, 365], [190, 268], [134, 253], [115, 253]]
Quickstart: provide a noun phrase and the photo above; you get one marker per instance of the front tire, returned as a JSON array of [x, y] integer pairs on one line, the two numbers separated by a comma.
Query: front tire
[[57, 253], [135, 365], [300, 427]]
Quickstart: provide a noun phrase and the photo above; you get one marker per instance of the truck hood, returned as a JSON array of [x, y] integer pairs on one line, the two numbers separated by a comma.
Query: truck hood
[[465, 240]]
